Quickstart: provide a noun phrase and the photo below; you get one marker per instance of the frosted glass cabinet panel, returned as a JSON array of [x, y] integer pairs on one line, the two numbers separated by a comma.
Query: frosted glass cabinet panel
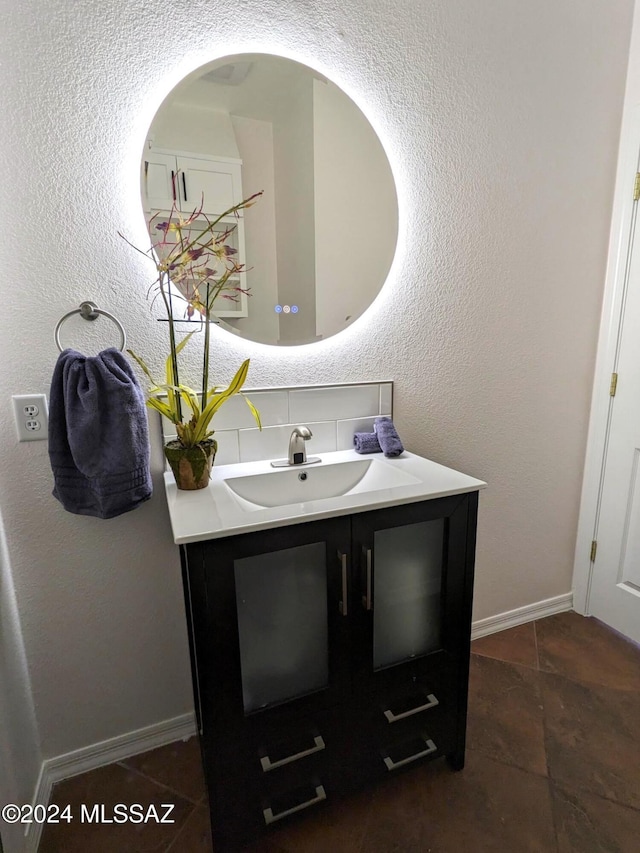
[[281, 600], [408, 603]]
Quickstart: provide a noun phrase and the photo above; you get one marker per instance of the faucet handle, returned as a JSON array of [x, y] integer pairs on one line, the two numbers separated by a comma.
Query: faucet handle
[[303, 432]]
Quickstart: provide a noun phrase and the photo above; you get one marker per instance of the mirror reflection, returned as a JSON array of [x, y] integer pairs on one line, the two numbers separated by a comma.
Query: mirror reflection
[[318, 245]]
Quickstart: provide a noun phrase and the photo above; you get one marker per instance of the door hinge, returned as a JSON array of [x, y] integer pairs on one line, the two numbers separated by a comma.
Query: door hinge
[[636, 187], [614, 384], [594, 548]]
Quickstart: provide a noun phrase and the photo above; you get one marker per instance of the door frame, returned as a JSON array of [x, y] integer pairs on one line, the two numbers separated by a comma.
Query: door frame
[[624, 226]]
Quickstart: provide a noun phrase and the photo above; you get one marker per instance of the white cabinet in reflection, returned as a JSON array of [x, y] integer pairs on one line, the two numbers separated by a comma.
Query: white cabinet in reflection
[[184, 183]]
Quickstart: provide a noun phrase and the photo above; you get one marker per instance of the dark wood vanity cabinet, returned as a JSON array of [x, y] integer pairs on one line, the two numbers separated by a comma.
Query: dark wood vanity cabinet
[[328, 654]]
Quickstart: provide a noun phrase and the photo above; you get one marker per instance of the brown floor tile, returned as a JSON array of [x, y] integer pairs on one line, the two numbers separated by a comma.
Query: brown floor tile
[[515, 645], [585, 822], [505, 717], [111, 785], [177, 765], [592, 738], [195, 835], [488, 807], [585, 650]]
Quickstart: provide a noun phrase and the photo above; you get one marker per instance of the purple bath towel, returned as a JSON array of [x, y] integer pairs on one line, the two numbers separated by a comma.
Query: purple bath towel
[[98, 435], [366, 442], [388, 437]]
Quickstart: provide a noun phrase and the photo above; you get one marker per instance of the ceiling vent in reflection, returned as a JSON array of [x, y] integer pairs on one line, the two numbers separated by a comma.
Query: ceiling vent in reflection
[[231, 74]]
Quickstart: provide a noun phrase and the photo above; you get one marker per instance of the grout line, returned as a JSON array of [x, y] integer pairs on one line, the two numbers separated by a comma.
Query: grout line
[[172, 843], [535, 639], [157, 782], [504, 659]]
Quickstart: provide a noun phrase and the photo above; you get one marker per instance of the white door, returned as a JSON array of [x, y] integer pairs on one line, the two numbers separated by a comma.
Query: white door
[[614, 595]]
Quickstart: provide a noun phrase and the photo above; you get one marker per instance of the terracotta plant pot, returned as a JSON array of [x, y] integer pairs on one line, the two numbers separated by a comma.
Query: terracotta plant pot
[[191, 466]]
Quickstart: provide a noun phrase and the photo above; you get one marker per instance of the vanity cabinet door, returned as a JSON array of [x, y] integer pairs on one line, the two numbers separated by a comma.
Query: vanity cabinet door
[[270, 626], [413, 563]]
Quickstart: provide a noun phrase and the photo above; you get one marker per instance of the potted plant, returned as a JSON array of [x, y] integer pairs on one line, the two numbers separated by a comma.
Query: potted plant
[[194, 254]]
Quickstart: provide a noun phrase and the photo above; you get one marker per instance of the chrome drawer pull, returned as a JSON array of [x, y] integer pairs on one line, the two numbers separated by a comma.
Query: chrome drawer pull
[[366, 598], [344, 606], [270, 817], [431, 703], [267, 764], [393, 765]]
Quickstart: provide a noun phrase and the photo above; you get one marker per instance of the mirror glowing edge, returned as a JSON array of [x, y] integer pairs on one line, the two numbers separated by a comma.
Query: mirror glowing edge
[[318, 245]]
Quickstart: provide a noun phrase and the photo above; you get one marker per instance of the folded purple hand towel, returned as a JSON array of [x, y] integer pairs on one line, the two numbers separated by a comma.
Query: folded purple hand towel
[[388, 437], [366, 442], [98, 435]]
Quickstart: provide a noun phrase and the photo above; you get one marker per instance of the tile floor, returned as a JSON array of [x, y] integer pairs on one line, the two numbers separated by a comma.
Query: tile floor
[[553, 764]]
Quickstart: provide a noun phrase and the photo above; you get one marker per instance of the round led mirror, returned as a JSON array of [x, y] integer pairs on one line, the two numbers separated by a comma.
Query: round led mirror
[[314, 250]]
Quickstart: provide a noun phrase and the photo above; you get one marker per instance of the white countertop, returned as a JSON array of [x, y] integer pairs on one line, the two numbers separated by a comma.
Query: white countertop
[[216, 511]]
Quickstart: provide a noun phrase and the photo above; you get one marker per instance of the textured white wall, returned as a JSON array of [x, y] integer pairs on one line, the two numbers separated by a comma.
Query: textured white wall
[[501, 121]]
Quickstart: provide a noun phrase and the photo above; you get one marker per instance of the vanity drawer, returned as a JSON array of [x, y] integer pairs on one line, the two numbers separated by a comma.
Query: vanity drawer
[[414, 691], [286, 802], [435, 673], [320, 741]]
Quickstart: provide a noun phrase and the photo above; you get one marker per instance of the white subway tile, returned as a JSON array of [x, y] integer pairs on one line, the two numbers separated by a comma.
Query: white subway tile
[[273, 442], [336, 403], [228, 452], [323, 439], [386, 397], [168, 429], [273, 407], [346, 429]]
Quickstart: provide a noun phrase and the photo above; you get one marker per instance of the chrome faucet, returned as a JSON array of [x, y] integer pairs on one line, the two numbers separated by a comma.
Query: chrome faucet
[[297, 449]]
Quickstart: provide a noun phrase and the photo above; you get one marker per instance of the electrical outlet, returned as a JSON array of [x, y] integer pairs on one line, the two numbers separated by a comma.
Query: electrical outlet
[[31, 416]]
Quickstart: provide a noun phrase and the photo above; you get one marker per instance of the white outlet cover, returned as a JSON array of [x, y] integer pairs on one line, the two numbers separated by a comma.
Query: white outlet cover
[[31, 414]]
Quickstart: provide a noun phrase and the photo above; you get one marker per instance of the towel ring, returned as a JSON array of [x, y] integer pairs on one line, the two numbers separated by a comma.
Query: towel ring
[[90, 311]]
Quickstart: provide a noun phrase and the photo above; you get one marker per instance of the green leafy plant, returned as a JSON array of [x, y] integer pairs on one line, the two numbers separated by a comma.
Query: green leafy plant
[[194, 254]]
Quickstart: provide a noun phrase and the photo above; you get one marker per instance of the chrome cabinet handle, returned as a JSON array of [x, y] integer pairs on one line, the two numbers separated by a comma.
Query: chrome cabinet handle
[[431, 703], [393, 765], [267, 764], [344, 608], [270, 817], [366, 598]]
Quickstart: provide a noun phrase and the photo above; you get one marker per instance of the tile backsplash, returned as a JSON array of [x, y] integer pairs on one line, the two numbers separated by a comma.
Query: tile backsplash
[[333, 413]]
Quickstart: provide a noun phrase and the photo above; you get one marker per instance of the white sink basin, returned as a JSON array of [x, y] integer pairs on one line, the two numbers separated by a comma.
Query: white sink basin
[[299, 484]]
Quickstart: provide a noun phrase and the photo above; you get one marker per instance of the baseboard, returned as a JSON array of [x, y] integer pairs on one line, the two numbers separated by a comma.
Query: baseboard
[[522, 615], [105, 752]]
